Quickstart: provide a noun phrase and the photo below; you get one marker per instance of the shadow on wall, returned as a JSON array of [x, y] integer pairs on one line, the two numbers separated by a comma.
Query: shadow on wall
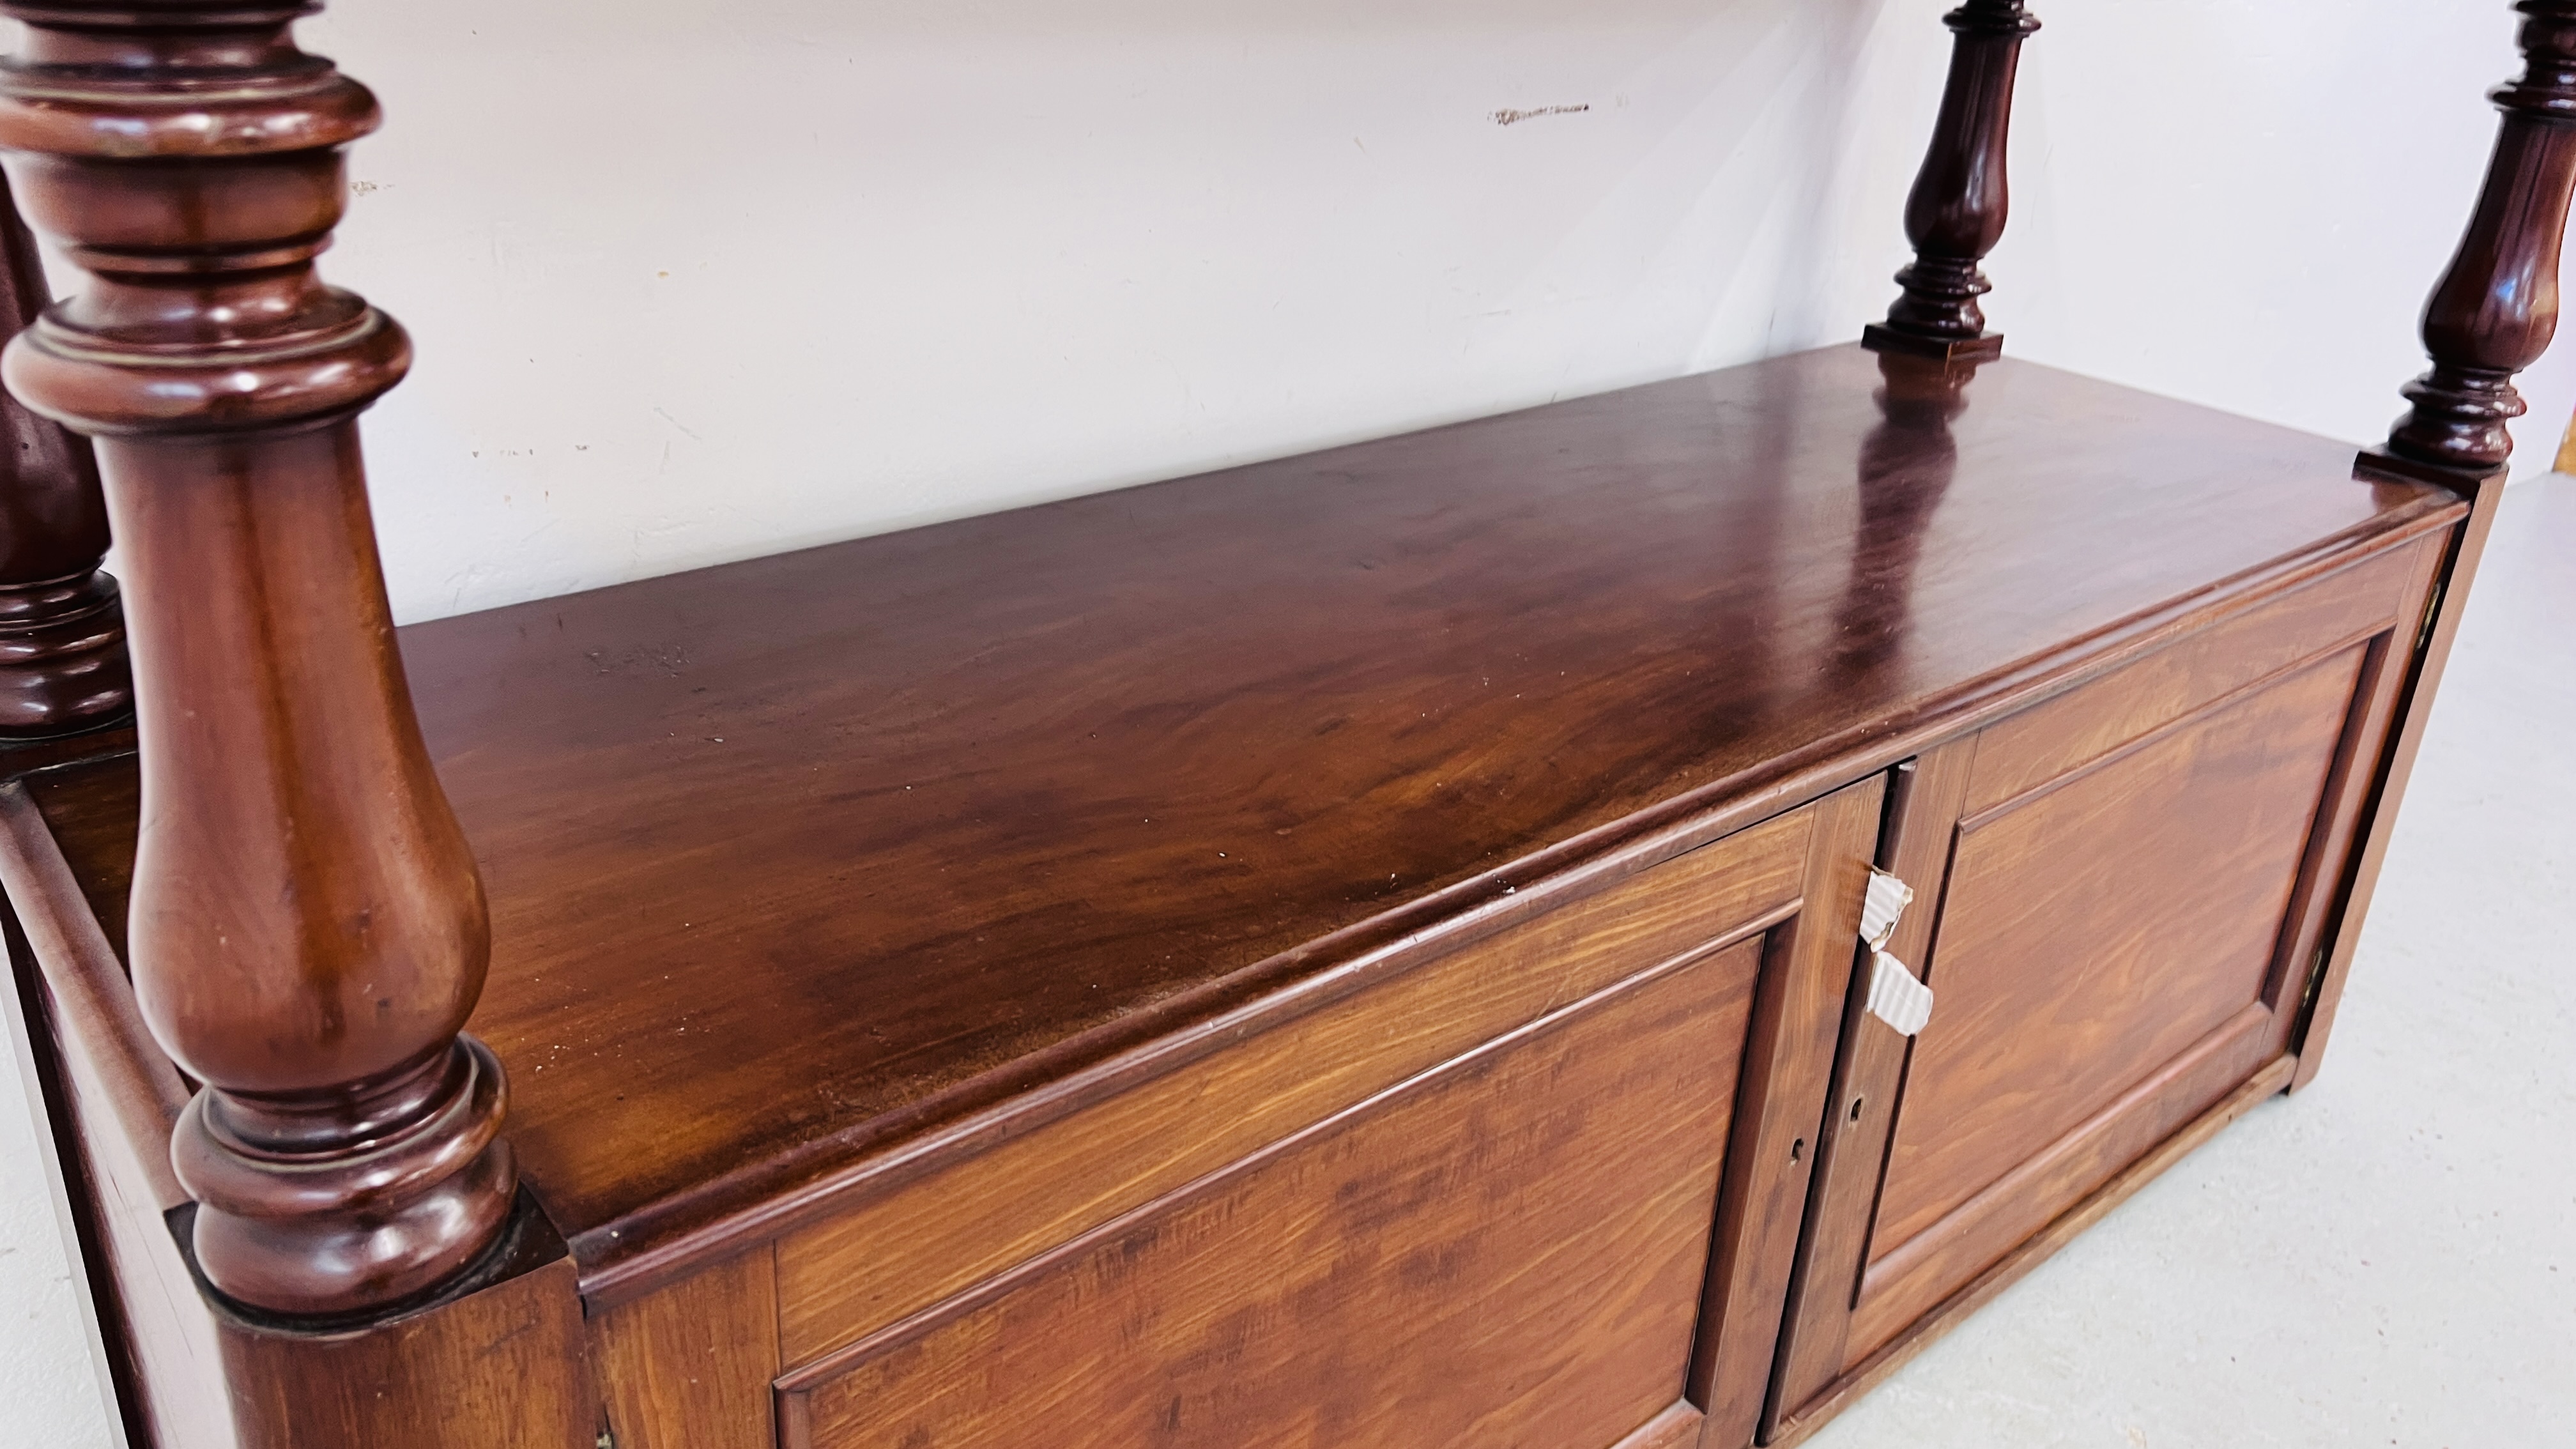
[[695, 281]]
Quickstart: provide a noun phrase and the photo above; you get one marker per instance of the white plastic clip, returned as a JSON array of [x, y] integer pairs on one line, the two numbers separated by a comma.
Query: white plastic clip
[[1896, 995]]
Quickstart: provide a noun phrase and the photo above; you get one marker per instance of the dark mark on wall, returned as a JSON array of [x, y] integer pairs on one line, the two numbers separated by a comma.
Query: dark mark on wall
[[1514, 118]]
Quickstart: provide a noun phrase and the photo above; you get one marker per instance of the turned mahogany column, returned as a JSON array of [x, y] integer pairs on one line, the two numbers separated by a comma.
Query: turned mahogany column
[[308, 929], [2492, 316], [1961, 198], [62, 635], [2497, 308]]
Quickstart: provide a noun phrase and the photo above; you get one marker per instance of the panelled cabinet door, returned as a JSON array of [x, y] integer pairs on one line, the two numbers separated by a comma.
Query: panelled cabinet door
[[1521, 1244], [2125, 889]]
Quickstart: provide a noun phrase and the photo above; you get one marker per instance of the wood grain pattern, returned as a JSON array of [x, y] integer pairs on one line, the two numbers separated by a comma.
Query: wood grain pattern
[[1670, 1429], [2096, 929], [1860, 1114], [917, 880], [1779, 1112], [2496, 309], [1505, 1251], [2041, 744], [2418, 678], [501, 1366], [690, 1367], [895, 1256], [176, 1338], [1907, 1281], [767, 842], [1962, 198], [105, 1045], [2085, 739], [852, 797], [90, 813], [164, 1360], [308, 932], [63, 667], [59, 1168]]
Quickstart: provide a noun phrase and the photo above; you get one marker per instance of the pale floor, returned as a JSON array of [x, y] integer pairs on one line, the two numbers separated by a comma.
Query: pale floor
[[2384, 1259]]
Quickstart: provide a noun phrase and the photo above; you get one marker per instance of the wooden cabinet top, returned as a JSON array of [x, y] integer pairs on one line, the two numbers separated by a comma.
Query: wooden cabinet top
[[801, 867]]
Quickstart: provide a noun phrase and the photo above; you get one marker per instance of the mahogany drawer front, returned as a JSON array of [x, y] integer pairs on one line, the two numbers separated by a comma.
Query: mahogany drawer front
[[1509, 1249], [895, 1256]]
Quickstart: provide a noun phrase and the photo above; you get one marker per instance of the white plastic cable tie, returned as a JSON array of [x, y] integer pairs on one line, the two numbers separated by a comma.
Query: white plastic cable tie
[[1897, 996]]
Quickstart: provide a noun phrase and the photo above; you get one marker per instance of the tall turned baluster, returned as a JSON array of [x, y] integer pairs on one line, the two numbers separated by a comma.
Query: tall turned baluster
[[308, 929], [1962, 197], [2492, 316], [62, 633], [2497, 308]]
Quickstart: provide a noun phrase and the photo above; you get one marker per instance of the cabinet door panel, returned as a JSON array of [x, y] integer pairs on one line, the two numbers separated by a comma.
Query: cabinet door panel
[[2098, 928], [1509, 1250], [1575, 1227], [2125, 889]]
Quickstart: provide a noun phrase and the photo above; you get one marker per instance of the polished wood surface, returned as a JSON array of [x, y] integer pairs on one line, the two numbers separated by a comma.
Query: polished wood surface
[[1963, 196], [1676, 1426], [58, 1167], [63, 667], [769, 843], [2496, 309], [2025, 752], [1508, 1250], [2095, 929], [1355, 949], [691, 1366], [1779, 1113], [1860, 1114], [308, 933], [2377, 798], [106, 1046], [800, 861], [2125, 889], [493, 1365], [885, 1259]]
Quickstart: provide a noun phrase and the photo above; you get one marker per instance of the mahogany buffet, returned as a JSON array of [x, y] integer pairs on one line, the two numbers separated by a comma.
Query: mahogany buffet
[[1363, 950]]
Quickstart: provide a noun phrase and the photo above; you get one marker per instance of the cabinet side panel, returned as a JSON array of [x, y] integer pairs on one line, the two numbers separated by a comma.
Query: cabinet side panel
[[2442, 594], [182, 1396], [1507, 1250]]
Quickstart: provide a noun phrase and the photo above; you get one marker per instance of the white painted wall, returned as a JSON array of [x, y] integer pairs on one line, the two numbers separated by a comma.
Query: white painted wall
[[729, 276], [696, 280]]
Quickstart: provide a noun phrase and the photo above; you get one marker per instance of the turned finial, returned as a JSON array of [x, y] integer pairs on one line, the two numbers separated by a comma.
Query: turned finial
[[1962, 197], [62, 632], [2497, 308], [308, 933]]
